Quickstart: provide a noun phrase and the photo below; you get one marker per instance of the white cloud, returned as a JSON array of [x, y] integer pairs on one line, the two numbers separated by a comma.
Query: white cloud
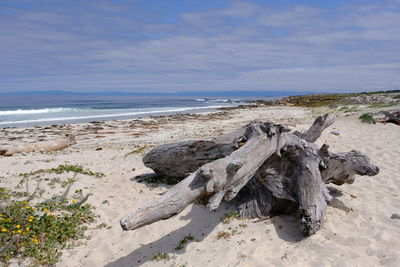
[[245, 46]]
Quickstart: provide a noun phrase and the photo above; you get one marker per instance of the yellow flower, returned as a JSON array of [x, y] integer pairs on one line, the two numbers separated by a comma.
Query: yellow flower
[[4, 230], [27, 207], [73, 201], [45, 210], [18, 226], [35, 240], [30, 220], [27, 229], [30, 217], [19, 231]]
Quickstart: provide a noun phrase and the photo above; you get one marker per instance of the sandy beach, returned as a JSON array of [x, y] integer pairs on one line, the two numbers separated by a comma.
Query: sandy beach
[[358, 229]]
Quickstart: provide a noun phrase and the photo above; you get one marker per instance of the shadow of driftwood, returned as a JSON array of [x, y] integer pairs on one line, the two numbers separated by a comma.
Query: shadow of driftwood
[[287, 227], [336, 202], [152, 180], [202, 223]]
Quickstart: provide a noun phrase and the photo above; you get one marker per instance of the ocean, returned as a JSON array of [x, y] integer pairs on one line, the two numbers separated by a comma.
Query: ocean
[[41, 110]]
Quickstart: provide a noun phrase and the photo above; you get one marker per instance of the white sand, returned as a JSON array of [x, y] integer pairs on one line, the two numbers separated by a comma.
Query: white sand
[[357, 231]]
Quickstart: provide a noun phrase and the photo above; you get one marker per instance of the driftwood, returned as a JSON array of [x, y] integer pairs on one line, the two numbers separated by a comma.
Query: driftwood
[[45, 146], [390, 116], [270, 170]]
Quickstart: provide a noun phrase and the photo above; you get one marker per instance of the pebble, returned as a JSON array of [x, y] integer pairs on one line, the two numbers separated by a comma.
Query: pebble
[[395, 216], [335, 132]]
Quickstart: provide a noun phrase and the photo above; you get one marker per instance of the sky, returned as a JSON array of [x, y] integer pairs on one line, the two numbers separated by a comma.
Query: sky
[[207, 45]]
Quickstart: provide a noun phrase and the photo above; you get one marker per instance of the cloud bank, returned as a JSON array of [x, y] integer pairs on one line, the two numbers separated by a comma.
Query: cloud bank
[[170, 46]]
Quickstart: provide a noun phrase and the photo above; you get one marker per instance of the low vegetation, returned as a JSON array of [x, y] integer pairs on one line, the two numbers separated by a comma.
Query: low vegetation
[[183, 242], [333, 100], [161, 257], [367, 118], [230, 216], [315, 100], [36, 226], [139, 150], [64, 169], [351, 109], [37, 231], [383, 105], [223, 235]]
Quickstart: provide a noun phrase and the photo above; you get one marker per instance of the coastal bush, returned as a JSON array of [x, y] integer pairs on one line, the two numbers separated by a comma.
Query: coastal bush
[[37, 232], [367, 118]]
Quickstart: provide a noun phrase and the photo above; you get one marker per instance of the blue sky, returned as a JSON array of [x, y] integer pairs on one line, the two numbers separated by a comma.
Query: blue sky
[[169, 46]]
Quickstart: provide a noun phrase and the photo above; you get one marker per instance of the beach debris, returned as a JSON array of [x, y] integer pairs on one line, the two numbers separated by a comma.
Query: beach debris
[[395, 216], [389, 116], [335, 132], [44, 146], [265, 167]]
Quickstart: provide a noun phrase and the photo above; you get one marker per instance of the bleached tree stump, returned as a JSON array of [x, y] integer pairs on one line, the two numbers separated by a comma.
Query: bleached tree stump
[[271, 171]]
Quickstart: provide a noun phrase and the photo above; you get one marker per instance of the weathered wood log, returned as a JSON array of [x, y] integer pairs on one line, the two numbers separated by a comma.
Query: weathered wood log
[[280, 176], [389, 116], [310, 190], [45, 146], [341, 168], [222, 178], [316, 129], [180, 159], [270, 192], [167, 159]]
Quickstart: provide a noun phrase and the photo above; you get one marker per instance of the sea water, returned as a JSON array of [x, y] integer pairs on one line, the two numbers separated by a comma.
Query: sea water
[[32, 110]]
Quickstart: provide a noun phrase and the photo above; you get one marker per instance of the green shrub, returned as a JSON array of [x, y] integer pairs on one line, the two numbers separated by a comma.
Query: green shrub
[[366, 118]]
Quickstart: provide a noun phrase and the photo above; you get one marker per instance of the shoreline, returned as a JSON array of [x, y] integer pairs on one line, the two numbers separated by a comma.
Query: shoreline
[[367, 100]]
